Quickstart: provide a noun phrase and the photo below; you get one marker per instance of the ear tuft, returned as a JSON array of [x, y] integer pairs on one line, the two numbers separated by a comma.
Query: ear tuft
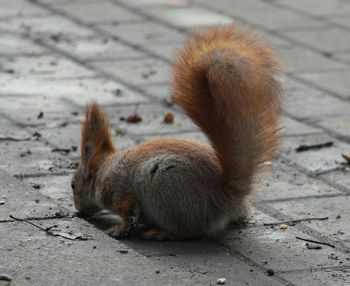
[[96, 140]]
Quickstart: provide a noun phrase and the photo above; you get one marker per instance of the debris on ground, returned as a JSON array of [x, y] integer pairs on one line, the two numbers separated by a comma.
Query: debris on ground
[[315, 241], [303, 148], [134, 118], [5, 277], [294, 221], [169, 118], [221, 281], [283, 226], [313, 246], [270, 272]]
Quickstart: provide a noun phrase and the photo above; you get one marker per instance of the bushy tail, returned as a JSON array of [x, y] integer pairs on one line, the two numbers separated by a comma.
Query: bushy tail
[[224, 79]]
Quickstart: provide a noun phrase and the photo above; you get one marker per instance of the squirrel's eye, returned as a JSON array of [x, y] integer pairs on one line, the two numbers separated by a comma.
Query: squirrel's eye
[[72, 184]]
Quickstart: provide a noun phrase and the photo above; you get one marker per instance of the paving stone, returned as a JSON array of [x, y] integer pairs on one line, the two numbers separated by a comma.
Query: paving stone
[[136, 72], [37, 111], [279, 249], [63, 2], [46, 28], [21, 200], [270, 38], [340, 178], [291, 127], [282, 182], [14, 45], [57, 188], [101, 48], [98, 12], [326, 277], [343, 21], [188, 17], [314, 161], [344, 56], [338, 124], [46, 66], [329, 39], [313, 7], [80, 91], [161, 92], [44, 258], [30, 157], [337, 229], [17, 8], [166, 51], [299, 60], [153, 3], [263, 14], [143, 33], [9, 131], [334, 81], [152, 116], [309, 102]]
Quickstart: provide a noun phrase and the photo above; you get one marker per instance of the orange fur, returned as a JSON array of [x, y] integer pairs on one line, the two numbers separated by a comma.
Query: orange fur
[[141, 153], [96, 137], [224, 79]]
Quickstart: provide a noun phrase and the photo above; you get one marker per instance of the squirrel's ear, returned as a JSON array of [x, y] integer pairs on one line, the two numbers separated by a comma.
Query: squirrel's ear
[[96, 140]]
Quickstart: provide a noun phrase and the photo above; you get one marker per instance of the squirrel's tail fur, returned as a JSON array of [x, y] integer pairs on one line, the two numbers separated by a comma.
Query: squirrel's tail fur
[[224, 79]]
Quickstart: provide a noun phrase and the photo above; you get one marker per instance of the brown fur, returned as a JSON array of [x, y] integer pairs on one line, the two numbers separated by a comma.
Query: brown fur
[[234, 98], [95, 137], [224, 79]]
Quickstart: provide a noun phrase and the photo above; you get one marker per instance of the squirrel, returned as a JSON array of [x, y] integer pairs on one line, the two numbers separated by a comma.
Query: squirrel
[[226, 80]]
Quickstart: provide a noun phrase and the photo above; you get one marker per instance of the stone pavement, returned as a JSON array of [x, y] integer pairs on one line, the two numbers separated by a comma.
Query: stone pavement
[[57, 55]]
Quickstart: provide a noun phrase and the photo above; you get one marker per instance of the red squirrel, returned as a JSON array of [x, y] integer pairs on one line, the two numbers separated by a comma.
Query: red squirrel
[[225, 80]]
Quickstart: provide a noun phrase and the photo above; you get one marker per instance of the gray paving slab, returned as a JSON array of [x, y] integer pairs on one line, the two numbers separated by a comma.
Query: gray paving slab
[[17, 8], [97, 12], [23, 201], [144, 32], [136, 72], [335, 82], [58, 55], [326, 39], [313, 7], [314, 161], [336, 227]]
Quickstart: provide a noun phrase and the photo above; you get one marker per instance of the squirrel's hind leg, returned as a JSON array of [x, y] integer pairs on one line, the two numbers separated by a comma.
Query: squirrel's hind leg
[[129, 212], [157, 234]]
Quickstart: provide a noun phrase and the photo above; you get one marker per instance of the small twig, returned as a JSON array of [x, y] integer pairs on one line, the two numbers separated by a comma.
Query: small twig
[[61, 150], [33, 224], [315, 241], [15, 139], [51, 232], [303, 148], [296, 220]]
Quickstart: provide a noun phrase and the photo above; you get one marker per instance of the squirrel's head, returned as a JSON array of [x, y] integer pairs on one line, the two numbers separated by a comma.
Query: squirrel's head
[[96, 146]]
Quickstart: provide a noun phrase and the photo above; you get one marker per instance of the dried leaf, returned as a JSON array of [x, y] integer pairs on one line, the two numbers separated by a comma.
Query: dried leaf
[[135, 118], [169, 118], [346, 158]]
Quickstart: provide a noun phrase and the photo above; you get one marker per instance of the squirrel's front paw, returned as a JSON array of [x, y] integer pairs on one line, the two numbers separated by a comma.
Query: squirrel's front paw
[[118, 232]]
